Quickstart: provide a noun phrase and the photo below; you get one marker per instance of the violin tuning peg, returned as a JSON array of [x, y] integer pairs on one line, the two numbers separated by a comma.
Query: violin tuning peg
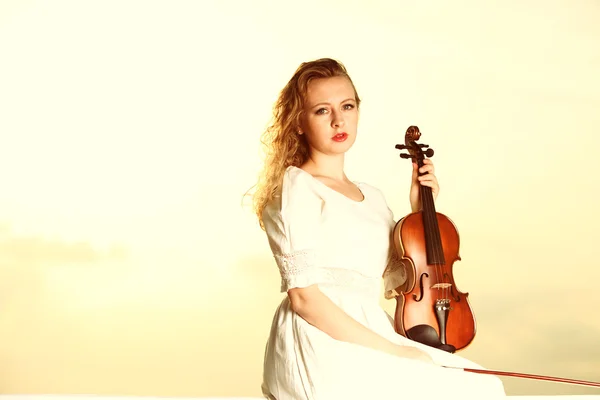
[[403, 155], [401, 146]]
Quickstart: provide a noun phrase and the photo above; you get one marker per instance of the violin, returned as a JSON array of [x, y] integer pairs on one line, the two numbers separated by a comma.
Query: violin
[[431, 310]]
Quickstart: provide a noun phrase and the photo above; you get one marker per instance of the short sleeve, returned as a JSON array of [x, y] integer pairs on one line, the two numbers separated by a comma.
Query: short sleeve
[[292, 224]]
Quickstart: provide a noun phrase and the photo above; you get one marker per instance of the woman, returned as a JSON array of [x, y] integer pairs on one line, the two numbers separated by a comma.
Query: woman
[[330, 238]]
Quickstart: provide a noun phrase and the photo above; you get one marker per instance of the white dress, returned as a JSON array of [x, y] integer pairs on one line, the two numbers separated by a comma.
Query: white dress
[[319, 236]]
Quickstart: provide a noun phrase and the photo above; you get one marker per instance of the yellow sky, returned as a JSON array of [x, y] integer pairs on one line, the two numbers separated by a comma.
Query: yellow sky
[[130, 131]]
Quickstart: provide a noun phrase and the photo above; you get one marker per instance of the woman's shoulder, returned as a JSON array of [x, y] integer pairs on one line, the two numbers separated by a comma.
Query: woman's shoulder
[[293, 172], [367, 187], [296, 179], [295, 186]]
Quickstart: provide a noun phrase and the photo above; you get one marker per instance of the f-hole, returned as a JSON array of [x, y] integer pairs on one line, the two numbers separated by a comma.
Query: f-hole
[[420, 287]]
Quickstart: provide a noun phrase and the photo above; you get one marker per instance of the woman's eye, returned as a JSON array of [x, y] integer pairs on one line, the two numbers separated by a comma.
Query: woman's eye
[[324, 110]]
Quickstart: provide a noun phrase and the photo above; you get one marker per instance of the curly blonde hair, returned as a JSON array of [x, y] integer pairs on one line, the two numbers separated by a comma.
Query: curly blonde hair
[[282, 143]]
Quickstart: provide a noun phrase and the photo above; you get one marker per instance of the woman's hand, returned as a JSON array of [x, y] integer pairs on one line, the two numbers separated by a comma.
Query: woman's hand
[[428, 179]]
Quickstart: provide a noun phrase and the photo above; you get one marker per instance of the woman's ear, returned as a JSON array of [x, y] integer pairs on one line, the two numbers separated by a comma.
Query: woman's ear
[[300, 124]]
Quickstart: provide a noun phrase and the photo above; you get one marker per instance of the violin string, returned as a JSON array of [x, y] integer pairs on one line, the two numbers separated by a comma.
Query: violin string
[[430, 230], [438, 247], [426, 226], [433, 228], [439, 251], [435, 242]]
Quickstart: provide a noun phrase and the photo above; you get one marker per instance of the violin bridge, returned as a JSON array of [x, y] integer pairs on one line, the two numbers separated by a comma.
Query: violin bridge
[[441, 286]]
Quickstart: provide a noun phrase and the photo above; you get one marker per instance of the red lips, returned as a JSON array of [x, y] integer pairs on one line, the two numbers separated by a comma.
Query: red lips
[[340, 137]]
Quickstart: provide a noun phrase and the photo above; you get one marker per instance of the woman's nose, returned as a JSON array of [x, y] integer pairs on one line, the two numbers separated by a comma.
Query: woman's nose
[[338, 120]]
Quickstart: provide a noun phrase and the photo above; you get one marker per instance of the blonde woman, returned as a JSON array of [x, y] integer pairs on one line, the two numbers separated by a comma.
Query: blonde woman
[[330, 237]]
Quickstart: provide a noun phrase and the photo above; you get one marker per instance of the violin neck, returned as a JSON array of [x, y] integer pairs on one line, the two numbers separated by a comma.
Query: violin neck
[[427, 203], [433, 241]]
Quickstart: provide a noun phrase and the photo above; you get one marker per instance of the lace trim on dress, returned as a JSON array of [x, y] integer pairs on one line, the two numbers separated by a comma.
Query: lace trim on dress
[[394, 275], [299, 269]]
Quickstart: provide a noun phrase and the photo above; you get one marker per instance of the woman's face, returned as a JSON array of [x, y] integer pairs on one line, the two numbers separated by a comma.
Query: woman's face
[[330, 116]]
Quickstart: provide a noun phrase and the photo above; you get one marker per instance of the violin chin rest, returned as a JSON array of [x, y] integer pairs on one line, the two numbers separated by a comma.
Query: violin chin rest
[[447, 347], [427, 335]]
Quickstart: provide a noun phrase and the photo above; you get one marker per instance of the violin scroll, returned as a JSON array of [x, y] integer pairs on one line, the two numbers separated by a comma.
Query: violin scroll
[[412, 135]]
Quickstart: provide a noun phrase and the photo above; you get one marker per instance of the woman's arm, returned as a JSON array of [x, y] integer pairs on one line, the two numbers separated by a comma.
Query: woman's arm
[[318, 310]]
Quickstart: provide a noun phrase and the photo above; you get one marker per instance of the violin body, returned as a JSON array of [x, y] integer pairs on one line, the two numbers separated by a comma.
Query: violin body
[[428, 284], [430, 309]]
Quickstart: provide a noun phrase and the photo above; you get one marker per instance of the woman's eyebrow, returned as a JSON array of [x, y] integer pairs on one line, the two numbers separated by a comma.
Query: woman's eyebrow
[[326, 103]]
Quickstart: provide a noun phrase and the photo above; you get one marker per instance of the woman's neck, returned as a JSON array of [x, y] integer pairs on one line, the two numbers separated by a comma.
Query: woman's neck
[[326, 166]]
